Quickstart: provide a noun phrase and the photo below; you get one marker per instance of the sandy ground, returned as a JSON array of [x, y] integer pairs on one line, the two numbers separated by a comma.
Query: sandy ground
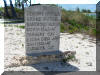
[[1, 48], [84, 46]]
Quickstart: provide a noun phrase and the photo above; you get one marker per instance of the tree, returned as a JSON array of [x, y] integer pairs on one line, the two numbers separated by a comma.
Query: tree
[[89, 11], [6, 9], [17, 3], [20, 3], [84, 10], [30, 2], [78, 10], [14, 15]]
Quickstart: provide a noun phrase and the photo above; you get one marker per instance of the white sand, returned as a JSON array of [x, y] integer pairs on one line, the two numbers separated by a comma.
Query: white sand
[[1, 48], [84, 46]]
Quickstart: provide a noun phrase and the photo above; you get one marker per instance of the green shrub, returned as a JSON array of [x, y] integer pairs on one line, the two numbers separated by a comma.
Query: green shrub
[[68, 58], [1, 9], [73, 22], [62, 28], [21, 27]]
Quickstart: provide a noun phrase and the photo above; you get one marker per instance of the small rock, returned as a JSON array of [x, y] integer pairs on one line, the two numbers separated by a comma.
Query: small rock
[[89, 63], [87, 53], [76, 46], [80, 43]]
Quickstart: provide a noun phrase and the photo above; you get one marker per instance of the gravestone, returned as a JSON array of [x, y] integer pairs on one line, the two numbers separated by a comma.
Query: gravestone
[[42, 29]]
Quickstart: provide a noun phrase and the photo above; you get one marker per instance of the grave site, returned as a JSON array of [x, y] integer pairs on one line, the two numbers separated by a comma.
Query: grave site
[[38, 45]]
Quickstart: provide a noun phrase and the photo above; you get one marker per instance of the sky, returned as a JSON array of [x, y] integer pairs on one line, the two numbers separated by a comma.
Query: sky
[[92, 7], [71, 4]]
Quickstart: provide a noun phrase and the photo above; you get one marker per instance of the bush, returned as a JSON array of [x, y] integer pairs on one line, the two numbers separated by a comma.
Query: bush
[[22, 27], [73, 22], [62, 28]]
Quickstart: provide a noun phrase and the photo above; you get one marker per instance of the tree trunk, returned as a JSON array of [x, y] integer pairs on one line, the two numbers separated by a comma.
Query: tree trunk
[[14, 15], [23, 6], [6, 9], [30, 2]]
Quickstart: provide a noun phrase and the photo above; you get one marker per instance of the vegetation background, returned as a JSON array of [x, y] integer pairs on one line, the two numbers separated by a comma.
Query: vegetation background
[[78, 21]]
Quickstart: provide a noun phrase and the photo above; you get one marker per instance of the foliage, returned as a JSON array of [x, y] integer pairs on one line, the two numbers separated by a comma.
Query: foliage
[[68, 58], [22, 27], [1, 9], [19, 12], [1, 12], [77, 22], [78, 10], [86, 11], [71, 21]]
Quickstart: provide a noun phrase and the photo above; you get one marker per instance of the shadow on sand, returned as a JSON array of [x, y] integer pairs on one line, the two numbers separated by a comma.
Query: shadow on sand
[[47, 68]]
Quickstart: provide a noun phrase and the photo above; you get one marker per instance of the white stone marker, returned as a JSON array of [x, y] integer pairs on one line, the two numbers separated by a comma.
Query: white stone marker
[[42, 29]]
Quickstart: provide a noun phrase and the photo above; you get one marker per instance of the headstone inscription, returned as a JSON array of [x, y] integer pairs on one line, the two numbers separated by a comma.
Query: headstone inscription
[[42, 29]]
